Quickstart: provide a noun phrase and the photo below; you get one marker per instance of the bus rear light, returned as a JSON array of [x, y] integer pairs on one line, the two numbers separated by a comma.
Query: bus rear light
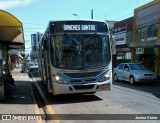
[[105, 86]]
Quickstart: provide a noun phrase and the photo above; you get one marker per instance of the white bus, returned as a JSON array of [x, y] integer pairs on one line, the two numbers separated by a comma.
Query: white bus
[[75, 56]]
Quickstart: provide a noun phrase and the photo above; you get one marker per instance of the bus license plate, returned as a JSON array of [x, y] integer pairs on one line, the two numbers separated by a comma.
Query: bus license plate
[[105, 86]]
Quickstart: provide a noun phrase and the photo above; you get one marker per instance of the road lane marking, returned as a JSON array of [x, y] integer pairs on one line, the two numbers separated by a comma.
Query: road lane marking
[[37, 111], [48, 107]]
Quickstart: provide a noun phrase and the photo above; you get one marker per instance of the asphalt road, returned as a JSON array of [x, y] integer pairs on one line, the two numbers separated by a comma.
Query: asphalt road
[[122, 99]]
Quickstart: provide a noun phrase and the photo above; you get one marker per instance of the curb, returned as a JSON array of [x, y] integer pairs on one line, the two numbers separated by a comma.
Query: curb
[[37, 111], [48, 107]]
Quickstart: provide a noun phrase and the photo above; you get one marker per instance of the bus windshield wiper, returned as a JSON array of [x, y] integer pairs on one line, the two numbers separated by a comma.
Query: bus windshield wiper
[[73, 39]]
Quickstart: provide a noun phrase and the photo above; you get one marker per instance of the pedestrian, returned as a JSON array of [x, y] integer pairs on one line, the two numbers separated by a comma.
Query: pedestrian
[[11, 80], [8, 86], [143, 62]]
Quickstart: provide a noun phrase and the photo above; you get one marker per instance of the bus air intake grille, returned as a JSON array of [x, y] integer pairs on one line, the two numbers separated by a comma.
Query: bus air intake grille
[[148, 74], [82, 75], [83, 87], [81, 80], [78, 80]]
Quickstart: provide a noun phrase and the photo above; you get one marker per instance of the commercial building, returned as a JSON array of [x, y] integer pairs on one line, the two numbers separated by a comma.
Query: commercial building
[[35, 38], [122, 32], [146, 35], [110, 24], [11, 37]]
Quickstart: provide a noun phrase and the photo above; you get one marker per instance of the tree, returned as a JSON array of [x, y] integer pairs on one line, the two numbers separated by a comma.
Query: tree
[[24, 62]]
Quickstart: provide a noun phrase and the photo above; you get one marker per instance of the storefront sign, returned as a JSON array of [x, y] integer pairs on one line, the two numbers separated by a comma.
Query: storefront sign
[[120, 38], [119, 29], [139, 50], [123, 49]]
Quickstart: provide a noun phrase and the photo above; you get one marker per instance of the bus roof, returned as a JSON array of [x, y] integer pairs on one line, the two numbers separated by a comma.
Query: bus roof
[[93, 20]]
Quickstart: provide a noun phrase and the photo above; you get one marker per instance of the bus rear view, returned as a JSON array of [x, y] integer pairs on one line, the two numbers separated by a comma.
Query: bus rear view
[[75, 57]]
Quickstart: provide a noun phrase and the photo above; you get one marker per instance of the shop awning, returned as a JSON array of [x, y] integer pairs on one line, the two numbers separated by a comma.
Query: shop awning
[[11, 31]]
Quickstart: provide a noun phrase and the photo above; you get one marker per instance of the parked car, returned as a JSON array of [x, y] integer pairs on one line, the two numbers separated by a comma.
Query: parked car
[[133, 72], [32, 66]]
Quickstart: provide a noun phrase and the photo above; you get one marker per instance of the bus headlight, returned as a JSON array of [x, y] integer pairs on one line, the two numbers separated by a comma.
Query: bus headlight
[[59, 79], [106, 77]]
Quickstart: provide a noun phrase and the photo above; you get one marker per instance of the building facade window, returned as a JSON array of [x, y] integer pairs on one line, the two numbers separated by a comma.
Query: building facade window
[[142, 34], [152, 32], [148, 33]]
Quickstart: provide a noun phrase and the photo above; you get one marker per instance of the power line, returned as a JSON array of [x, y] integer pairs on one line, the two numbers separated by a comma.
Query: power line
[[124, 9], [142, 18], [150, 15], [115, 8], [124, 16], [123, 5]]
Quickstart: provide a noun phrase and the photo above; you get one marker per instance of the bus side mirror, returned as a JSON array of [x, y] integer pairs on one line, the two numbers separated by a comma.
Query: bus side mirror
[[113, 45]]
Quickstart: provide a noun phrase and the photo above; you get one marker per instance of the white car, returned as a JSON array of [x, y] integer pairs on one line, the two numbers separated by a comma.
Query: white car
[[32, 66], [133, 72]]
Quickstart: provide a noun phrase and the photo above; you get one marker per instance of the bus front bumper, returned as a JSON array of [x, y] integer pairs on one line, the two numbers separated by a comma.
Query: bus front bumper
[[80, 88]]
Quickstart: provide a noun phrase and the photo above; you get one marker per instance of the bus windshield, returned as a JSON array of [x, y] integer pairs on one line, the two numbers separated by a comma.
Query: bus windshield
[[80, 51]]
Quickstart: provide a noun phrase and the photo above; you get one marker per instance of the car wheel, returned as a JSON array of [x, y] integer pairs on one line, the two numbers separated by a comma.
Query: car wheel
[[132, 80], [115, 77]]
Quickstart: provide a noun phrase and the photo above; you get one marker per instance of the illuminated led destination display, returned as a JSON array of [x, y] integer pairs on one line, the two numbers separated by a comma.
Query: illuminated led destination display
[[78, 26]]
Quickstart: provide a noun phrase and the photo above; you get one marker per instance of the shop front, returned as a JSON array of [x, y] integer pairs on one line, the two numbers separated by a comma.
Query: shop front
[[11, 37], [146, 36], [123, 35], [123, 55]]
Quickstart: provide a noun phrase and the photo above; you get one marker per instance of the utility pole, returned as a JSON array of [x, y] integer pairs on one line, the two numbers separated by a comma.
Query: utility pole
[[91, 13]]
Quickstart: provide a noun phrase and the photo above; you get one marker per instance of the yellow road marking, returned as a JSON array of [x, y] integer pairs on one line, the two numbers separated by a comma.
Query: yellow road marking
[[51, 111], [36, 109], [48, 107]]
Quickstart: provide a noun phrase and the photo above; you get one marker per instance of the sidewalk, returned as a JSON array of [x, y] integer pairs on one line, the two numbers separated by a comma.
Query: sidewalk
[[24, 102]]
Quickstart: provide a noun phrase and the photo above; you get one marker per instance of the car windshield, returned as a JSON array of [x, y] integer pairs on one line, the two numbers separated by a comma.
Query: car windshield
[[33, 64], [80, 51], [137, 67]]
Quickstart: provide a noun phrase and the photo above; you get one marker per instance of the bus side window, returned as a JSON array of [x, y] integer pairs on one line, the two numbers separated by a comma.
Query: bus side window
[[45, 45], [42, 54]]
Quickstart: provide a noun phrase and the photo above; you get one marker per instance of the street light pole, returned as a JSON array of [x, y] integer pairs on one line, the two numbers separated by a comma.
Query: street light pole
[[76, 15]]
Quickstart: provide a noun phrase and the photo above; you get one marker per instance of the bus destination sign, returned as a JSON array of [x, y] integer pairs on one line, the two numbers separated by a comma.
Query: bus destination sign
[[79, 27]]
